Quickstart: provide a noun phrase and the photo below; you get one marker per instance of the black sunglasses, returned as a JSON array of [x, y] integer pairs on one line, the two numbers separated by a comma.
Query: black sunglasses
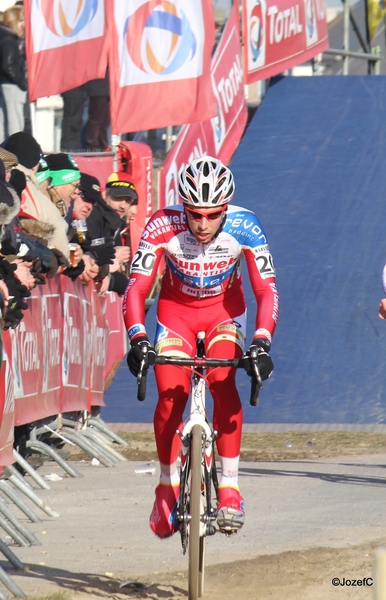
[[197, 216]]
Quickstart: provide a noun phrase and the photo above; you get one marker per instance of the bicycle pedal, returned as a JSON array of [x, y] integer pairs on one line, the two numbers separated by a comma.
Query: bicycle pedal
[[229, 520]]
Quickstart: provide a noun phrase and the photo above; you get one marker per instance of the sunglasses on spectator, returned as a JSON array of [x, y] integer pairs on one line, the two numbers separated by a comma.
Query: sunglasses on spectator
[[197, 216]]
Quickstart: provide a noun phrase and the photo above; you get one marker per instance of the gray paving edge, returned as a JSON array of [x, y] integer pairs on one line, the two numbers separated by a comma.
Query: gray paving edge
[[269, 427]]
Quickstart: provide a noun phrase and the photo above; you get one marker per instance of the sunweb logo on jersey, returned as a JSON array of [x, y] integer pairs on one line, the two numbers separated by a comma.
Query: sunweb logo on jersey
[[58, 22], [257, 33], [167, 41], [162, 40]]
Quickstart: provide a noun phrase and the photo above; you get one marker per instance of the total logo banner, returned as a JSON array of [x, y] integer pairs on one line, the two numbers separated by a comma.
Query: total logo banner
[[159, 40], [220, 135], [281, 34], [57, 23]]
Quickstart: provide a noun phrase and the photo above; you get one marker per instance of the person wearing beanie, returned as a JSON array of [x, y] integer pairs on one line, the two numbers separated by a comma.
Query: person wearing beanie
[[35, 204], [65, 175], [23, 145]]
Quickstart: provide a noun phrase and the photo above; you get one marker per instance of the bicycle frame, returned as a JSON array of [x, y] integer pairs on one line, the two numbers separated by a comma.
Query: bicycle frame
[[197, 416], [195, 511]]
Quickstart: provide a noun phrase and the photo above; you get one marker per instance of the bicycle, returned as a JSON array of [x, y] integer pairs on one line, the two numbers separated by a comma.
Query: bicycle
[[196, 506]]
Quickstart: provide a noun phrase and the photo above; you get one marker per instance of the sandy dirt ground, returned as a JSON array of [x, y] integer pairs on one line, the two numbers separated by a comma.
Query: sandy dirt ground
[[306, 572]]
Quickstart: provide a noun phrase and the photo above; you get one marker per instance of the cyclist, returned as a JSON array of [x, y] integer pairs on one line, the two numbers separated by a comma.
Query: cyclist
[[202, 241]]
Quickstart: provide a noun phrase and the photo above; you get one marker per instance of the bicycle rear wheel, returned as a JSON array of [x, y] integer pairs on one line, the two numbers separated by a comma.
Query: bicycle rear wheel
[[196, 542]]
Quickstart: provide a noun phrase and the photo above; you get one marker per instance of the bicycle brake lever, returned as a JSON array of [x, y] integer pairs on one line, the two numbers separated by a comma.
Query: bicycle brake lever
[[142, 365], [255, 368]]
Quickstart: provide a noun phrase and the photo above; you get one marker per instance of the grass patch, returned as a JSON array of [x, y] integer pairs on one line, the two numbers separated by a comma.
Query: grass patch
[[289, 445]]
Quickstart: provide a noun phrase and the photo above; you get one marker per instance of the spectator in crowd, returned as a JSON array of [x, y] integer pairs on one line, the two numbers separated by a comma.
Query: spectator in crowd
[[13, 82], [11, 286], [65, 177], [35, 204], [96, 92], [108, 221], [24, 241], [99, 249]]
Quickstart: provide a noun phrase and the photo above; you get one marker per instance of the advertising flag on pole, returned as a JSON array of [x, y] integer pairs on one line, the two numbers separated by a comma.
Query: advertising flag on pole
[[66, 44], [160, 59], [220, 135], [375, 12]]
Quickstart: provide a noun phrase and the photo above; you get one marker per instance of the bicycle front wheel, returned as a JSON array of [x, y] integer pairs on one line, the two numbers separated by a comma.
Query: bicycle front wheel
[[196, 543]]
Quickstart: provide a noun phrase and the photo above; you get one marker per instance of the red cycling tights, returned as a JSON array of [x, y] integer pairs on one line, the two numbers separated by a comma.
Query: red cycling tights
[[177, 330]]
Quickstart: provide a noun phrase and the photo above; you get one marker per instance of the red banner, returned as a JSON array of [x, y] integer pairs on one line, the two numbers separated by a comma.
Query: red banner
[[77, 349], [117, 333], [66, 44], [219, 136], [279, 35], [59, 356], [99, 344], [160, 63], [7, 406]]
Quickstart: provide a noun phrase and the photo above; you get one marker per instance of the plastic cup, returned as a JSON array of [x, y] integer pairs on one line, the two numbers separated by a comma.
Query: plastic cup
[[72, 248]]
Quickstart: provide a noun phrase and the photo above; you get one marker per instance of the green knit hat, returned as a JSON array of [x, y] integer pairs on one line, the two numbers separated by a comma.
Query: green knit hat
[[63, 169]]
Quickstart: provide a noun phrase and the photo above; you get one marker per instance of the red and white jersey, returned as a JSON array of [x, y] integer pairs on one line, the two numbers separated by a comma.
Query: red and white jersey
[[200, 274]]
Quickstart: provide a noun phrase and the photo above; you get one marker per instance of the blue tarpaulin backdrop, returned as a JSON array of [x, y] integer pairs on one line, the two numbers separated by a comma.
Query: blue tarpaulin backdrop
[[312, 167]]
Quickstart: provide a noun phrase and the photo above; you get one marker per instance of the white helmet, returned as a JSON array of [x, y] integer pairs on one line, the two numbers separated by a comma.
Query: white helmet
[[206, 182]]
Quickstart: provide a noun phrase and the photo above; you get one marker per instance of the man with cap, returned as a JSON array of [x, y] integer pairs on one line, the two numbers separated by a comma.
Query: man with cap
[[121, 196], [35, 204], [108, 220], [87, 194], [65, 175], [98, 253]]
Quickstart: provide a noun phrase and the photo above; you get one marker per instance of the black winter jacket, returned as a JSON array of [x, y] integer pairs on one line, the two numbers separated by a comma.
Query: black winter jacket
[[104, 222], [12, 61]]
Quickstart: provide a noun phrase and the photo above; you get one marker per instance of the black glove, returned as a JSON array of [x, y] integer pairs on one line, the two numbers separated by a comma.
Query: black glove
[[18, 181], [6, 269], [36, 270], [74, 272], [135, 355], [104, 254], [13, 313], [57, 260], [264, 361], [7, 248]]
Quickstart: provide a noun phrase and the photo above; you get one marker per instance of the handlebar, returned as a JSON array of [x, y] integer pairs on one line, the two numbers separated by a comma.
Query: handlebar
[[236, 363]]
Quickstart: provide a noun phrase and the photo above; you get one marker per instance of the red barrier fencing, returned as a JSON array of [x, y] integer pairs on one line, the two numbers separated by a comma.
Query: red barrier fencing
[[58, 359]]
